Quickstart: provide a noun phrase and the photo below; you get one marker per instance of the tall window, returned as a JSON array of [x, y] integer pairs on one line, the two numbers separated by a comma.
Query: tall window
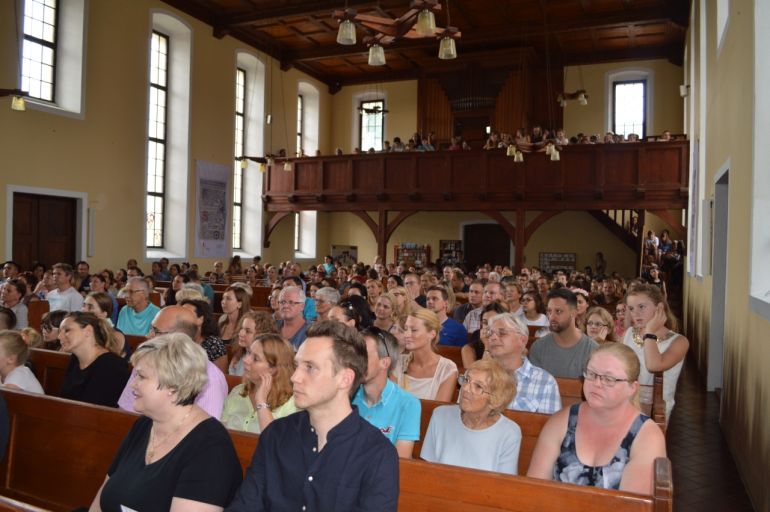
[[240, 137], [371, 117], [297, 232], [156, 140], [38, 69], [629, 104], [300, 122]]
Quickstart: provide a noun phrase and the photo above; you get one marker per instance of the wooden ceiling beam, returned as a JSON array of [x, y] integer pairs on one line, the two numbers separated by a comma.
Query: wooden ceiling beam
[[300, 9]]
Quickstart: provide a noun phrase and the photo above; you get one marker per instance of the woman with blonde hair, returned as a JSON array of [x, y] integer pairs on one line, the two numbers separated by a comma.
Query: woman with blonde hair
[[235, 303], [653, 337], [618, 444], [374, 289], [474, 433], [600, 326], [266, 391], [14, 353], [179, 456], [385, 316], [403, 304], [251, 325], [425, 373]]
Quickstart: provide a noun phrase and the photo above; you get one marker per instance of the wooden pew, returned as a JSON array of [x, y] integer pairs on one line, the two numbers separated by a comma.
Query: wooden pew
[[60, 451], [134, 341], [50, 367], [35, 311], [8, 504], [453, 354]]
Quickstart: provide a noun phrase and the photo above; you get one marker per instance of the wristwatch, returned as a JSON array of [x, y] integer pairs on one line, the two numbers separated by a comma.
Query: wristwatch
[[266, 406], [650, 336]]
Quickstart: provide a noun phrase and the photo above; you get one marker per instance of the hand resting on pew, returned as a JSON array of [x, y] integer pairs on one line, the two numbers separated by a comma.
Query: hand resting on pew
[[605, 441]]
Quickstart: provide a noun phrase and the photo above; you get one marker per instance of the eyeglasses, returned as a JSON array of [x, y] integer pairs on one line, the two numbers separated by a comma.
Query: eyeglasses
[[133, 291], [526, 299], [381, 339], [288, 303], [596, 324], [476, 388], [500, 333], [157, 332], [607, 380]]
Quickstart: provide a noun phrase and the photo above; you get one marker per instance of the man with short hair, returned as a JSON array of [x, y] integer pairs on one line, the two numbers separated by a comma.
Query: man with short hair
[[308, 311], [452, 332], [325, 457], [412, 285], [564, 352], [181, 319], [82, 277], [208, 291], [475, 292], [136, 316], [380, 401], [11, 270], [292, 326], [64, 296], [492, 292], [328, 265]]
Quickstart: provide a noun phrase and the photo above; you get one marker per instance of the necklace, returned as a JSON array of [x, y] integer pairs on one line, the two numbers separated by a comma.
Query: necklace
[[153, 446], [639, 340]]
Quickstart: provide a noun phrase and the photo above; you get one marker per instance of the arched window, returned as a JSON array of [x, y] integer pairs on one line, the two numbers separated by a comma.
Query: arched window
[[168, 122]]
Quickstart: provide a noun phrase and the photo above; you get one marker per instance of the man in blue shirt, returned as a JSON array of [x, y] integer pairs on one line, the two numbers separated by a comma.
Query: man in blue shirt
[[136, 317], [394, 411], [452, 332], [325, 457]]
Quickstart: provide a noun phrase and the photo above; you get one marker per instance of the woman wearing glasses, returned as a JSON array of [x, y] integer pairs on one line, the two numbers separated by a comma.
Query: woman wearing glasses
[[475, 434], [618, 444], [600, 325]]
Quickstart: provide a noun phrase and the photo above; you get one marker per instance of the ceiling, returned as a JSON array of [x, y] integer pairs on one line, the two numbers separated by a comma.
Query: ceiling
[[302, 34]]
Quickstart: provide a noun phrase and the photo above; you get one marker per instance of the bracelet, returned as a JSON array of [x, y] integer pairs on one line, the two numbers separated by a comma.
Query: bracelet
[[262, 406], [650, 336]]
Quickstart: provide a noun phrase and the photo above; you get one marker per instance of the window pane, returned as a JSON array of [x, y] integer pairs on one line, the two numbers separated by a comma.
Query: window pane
[[372, 125], [156, 147], [629, 108]]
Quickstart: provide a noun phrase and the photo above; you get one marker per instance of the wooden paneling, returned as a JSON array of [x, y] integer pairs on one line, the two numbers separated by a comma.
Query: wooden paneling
[[511, 112]]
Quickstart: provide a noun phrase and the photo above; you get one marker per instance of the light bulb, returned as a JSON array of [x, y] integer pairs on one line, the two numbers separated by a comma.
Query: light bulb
[[426, 23], [347, 33], [376, 55], [447, 49]]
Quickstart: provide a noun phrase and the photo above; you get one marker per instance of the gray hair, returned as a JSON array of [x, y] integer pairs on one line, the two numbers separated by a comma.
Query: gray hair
[[329, 294], [140, 282], [511, 321], [298, 289], [245, 287]]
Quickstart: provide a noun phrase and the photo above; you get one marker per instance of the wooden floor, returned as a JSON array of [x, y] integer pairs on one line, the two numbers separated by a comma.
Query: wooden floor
[[705, 476]]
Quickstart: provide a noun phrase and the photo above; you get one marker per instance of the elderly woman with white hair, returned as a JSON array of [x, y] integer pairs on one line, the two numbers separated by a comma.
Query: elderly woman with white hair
[[475, 434], [325, 299], [175, 457], [537, 390]]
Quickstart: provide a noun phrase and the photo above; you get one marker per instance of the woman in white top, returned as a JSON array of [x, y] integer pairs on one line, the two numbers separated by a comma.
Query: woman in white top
[[424, 373], [13, 354], [475, 434], [534, 310], [652, 336]]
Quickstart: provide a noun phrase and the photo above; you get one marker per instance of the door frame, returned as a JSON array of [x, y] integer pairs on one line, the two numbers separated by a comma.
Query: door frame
[[461, 236], [81, 215], [719, 279]]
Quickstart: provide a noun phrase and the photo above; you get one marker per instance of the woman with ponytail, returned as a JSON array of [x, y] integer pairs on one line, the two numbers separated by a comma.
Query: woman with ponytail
[[96, 373]]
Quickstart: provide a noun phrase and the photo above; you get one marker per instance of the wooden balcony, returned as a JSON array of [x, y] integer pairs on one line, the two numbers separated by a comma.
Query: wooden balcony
[[645, 175]]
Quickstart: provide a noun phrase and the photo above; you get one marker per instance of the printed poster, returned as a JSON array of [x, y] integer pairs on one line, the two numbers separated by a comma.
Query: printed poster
[[212, 222]]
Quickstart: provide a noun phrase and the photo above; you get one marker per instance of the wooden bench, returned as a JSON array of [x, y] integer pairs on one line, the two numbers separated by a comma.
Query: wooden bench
[[60, 450], [35, 311]]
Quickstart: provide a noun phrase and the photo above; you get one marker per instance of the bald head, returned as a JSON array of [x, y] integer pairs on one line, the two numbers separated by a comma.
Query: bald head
[[174, 319]]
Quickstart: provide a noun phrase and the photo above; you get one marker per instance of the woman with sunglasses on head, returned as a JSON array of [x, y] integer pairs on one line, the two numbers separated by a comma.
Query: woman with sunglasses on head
[[618, 444], [474, 433], [353, 312]]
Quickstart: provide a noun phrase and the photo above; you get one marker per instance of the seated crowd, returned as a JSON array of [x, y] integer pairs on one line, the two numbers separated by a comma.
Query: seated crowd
[[338, 360]]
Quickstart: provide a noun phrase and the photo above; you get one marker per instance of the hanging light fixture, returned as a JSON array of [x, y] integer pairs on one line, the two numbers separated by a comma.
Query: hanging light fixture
[[287, 166], [376, 55], [426, 23], [270, 161], [346, 34], [519, 158], [262, 167], [446, 48], [554, 154], [510, 150], [244, 163], [583, 99]]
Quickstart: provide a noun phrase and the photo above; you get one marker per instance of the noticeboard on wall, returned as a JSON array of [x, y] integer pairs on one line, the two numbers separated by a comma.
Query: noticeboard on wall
[[346, 255], [553, 261]]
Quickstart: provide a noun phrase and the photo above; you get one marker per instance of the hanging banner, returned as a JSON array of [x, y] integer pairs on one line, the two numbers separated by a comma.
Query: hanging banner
[[212, 222]]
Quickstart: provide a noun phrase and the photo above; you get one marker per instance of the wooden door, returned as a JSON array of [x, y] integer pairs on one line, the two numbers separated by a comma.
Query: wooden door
[[43, 229], [486, 243]]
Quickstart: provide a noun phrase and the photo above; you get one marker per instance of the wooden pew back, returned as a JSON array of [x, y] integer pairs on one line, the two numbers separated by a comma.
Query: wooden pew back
[[50, 367], [35, 311], [60, 451]]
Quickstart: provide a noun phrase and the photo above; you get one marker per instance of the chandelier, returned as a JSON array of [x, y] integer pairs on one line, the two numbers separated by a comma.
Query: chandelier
[[418, 23]]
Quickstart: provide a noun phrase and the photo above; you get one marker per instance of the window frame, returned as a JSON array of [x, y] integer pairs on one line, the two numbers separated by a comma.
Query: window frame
[[164, 141], [238, 174], [300, 124], [615, 84], [53, 46], [381, 115]]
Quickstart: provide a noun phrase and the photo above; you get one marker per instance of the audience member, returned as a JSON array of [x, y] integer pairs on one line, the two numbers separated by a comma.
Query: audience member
[[207, 331], [49, 328], [12, 291], [235, 303], [475, 434], [353, 312], [64, 296], [14, 373], [136, 316], [600, 326], [610, 412], [356, 468], [475, 293], [478, 346], [251, 325], [452, 332], [292, 326], [380, 401], [200, 468], [266, 391], [492, 292], [565, 350], [100, 304]]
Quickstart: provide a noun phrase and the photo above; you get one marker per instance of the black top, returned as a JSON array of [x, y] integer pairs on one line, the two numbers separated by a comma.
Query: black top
[[356, 470], [202, 467], [100, 383]]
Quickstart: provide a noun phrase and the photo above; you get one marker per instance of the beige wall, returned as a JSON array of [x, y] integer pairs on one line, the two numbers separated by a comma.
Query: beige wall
[[745, 413], [400, 121], [666, 105]]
